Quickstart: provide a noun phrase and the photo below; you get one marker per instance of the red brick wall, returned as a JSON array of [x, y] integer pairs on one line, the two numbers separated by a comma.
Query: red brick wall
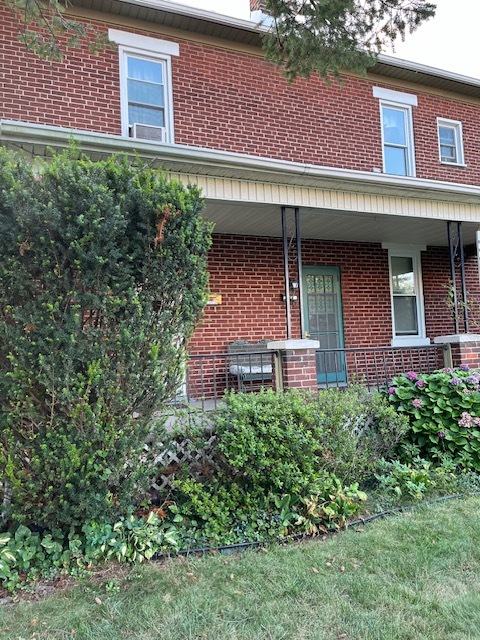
[[248, 273], [233, 101]]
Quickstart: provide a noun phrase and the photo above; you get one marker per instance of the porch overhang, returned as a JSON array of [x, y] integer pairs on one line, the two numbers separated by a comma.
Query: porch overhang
[[244, 193]]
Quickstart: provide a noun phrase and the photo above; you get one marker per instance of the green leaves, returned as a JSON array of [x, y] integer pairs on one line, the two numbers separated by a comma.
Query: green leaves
[[444, 411], [90, 314], [335, 35]]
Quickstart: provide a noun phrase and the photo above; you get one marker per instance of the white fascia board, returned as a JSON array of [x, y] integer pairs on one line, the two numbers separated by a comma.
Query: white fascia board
[[409, 65], [37, 134], [200, 14]]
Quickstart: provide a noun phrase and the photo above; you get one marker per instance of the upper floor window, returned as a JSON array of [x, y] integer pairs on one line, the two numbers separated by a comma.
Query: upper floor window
[[397, 131], [146, 86], [450, 142]]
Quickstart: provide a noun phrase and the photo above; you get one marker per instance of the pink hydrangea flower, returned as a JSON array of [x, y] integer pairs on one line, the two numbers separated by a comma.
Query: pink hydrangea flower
[[441, 434], [391, 391], [417, 403], [411, 375], [466, 420], [420, 383]]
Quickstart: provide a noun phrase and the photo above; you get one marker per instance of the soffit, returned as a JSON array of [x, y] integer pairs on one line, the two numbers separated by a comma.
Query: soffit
[[179, 17], [328, 224]]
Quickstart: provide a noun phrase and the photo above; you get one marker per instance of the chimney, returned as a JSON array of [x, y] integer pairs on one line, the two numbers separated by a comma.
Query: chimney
[[257, 5]]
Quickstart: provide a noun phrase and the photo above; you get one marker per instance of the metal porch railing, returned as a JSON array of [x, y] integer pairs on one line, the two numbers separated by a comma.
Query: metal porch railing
[[375, 366], [210, 375]]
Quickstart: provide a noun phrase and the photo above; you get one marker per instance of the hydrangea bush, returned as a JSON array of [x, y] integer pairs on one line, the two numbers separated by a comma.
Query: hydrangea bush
[[444, 412]]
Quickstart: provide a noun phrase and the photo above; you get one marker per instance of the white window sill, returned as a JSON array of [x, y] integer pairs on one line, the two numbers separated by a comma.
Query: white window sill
[[453, 164], [410, 341]]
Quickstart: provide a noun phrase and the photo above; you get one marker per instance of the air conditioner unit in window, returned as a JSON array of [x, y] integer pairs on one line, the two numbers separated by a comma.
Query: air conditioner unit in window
[[148, 132]]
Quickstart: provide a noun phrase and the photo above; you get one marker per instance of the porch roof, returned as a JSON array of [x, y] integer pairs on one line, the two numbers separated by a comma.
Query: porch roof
[[244, 193]]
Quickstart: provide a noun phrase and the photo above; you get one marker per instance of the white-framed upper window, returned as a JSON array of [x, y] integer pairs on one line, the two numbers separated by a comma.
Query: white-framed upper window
[[406, 290], [146, 95], [397, 131], [450, 141]]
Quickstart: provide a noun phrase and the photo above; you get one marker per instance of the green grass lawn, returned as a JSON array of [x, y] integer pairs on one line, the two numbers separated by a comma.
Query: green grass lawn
[[413, 576]]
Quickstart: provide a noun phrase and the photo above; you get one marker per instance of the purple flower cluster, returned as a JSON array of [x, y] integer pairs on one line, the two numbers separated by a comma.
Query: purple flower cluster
[[441, 434], [391, 391], [420, 383], [455, 382], [473, 378], [464, 367], [411, 375], [417, 403], [467, 420]]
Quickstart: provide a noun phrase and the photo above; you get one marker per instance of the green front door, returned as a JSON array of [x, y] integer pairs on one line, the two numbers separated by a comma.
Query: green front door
[[323, 320]]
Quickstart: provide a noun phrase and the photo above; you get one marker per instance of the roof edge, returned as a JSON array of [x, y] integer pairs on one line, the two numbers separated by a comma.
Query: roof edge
[[209, 161]]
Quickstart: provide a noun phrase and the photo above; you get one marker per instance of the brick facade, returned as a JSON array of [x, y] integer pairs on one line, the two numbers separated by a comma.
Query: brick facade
[[226, 97], [248, 273], [233, 100]]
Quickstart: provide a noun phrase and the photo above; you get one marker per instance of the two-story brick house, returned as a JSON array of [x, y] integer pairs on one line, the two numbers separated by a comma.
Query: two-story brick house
[[341, 212]]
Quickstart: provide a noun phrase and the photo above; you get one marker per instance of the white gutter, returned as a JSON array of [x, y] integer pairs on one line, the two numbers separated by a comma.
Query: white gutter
[[25, 133], [200, 14], [408, 65]]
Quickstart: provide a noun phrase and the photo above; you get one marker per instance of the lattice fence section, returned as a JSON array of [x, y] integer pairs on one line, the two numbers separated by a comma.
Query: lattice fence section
[[185, 453]]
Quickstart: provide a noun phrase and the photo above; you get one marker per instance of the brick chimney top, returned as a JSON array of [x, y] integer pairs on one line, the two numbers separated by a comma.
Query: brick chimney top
[[257, 5]]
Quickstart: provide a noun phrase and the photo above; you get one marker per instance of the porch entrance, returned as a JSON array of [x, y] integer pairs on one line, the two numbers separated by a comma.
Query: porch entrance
[[323, 320]]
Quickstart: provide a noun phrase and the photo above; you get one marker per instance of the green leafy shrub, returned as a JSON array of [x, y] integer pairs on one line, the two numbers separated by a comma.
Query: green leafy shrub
[[102, 279], [271, 440], [26, 555], [129, 540], [359, 427], [444, 413], [330, 506]]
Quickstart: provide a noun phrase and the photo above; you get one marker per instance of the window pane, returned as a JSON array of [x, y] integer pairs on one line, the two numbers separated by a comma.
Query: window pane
[[447, 135], [141, 69], [145, 115], [145, 93], [405, 311], [448, 154], [395, 161], [394, 126], [402, 275]]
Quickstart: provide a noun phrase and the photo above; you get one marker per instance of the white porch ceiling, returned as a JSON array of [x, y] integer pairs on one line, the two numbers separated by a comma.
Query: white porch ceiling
[[328, 224]]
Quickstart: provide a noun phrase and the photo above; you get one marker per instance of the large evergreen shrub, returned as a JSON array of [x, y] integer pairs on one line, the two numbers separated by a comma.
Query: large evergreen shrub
[[102, 279]]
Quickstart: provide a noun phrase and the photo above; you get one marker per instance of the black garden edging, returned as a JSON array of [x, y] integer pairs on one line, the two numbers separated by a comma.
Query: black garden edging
[[244, 546]]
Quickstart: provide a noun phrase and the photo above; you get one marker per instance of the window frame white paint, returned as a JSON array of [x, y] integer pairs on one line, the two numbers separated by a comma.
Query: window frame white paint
[[402, 102], [456, 125], [155, 50], [413, 252]]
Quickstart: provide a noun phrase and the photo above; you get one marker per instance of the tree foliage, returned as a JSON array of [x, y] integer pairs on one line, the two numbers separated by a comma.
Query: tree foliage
[[102, 279], [306, 35], [47, 31], [330, 35]]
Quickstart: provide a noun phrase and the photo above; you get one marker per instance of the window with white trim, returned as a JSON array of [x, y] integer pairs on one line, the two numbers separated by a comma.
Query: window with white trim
[[146, 86], [450, 141], [408, 317], [397, 131]]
